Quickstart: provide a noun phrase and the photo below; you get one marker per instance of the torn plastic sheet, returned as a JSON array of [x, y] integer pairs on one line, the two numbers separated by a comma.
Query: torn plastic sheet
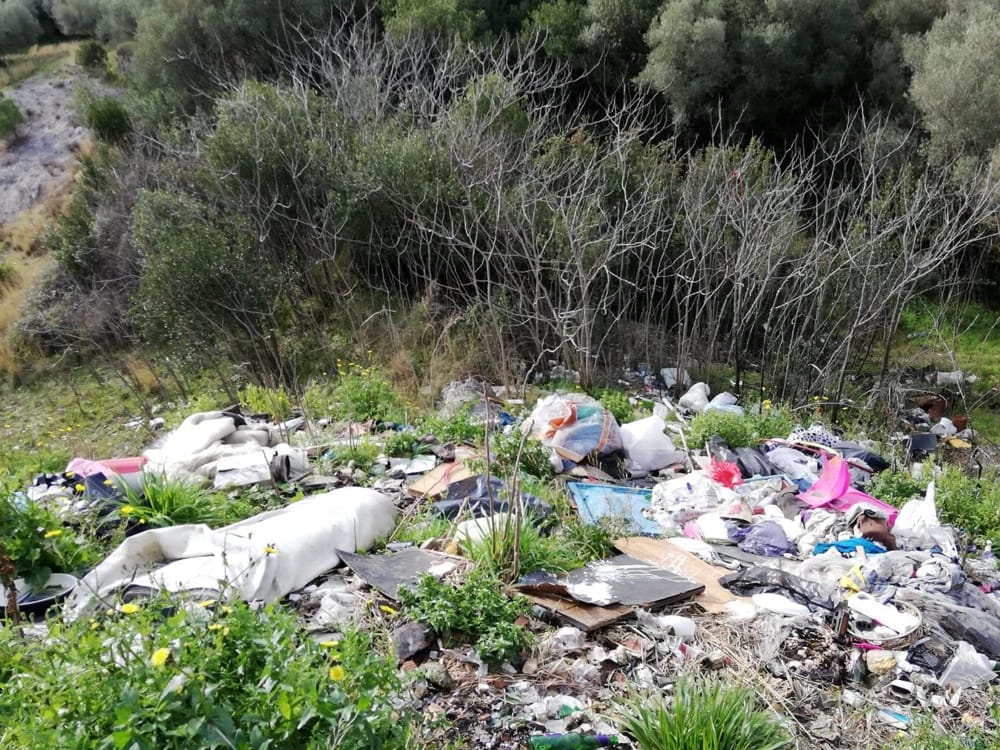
[[763, 580], [482, 496]]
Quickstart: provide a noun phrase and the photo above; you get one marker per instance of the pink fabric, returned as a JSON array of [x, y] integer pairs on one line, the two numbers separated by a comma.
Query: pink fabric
[[833, 490], [85, 467]]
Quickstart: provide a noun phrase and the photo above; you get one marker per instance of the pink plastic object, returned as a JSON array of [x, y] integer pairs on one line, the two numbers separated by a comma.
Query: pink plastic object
[[833, 490], [85, 467], [129, 465]]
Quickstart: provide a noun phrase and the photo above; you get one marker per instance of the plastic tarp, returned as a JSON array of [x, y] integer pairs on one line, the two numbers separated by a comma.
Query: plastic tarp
[[631, 504], [262, 558]]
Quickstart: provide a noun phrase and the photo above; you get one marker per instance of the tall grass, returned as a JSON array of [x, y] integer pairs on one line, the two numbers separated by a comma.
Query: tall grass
[[704, 715]]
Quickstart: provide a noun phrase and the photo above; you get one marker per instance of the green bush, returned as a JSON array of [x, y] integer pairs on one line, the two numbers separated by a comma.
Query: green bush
[[896, 487], [232, 677], [10, 117], [970, 504], [399, 444], [510, 456], [617, 403], [477, 608], [702, 715], [458, 428], [274, 402], [107, 118], [364, 393], [38, 544], [736, 430], [92, 55]]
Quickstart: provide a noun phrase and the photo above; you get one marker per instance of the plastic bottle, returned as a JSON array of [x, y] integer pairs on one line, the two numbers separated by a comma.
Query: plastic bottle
[[572, 741]]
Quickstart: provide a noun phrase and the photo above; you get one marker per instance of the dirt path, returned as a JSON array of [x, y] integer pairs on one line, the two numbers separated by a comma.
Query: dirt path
[[43, 156]]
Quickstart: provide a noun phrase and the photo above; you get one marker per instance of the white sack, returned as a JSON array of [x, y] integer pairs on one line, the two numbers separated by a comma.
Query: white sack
[[235, 560], [647, 447]]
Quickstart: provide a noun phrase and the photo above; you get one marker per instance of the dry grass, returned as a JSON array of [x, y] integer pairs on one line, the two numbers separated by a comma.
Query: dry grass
[[40, 59]]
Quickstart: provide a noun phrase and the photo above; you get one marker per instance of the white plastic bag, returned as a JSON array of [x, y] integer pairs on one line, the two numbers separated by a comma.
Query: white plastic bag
[[692, 492], [647, 447], [967, 668], [696, 398]]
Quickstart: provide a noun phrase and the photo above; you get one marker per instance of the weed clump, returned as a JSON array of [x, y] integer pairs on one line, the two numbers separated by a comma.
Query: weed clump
[[477, 608], [702, 715]]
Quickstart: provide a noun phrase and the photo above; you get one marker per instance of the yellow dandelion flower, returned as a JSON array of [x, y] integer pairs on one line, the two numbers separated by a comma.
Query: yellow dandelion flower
[[109, 612], [52, 534], [159, 657], [329, 644], [71, 475], [79, 487], [337, 673], [142, 520], [207, 603], [215, 626], [108, 482], [270, 549], [227, 610], [387, 609], [766, 403], [127, 510], [130, 609]]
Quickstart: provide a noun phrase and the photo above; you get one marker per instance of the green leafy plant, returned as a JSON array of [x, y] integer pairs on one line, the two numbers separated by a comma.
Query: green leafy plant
[[108, 118], [770, 420], [517, 544], [896, 487], [275, 402], [927, 734], [363, 393], [229, 676], [10, 117], [92, 55], [39, 544], [970, 504], [617, 403], [399, 444], [168, 502], [704, 714], [511, 454], [736, 430], [459, 428], [477, 608]]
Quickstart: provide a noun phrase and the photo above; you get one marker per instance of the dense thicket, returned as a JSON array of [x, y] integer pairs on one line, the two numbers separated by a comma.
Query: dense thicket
[[691, 181]]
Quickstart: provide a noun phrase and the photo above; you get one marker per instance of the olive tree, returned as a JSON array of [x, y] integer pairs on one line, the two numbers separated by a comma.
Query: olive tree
[[956, 80], [19, 28]]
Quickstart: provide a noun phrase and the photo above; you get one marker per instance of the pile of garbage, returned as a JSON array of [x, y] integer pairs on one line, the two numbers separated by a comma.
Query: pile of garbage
[[878, 609]]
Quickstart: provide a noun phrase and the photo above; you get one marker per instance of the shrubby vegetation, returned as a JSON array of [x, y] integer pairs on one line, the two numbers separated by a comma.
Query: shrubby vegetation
[[157, 675], [760, 186]]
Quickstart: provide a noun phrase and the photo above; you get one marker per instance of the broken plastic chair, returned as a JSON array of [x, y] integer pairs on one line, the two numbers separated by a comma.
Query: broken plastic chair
[[833, 490]]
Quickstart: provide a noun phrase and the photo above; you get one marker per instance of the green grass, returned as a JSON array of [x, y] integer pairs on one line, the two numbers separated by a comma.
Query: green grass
[[41, 59], [702, 715]]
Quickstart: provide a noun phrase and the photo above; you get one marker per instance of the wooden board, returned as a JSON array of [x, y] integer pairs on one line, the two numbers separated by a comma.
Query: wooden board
[[586, 617], [436, 481], [663, 554]]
